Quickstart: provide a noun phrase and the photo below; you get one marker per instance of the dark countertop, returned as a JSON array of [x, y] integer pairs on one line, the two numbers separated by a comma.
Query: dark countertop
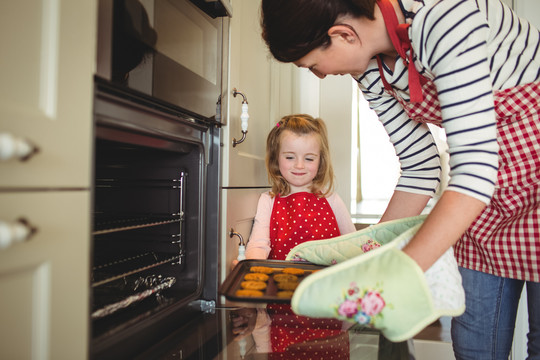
[[244, 333]]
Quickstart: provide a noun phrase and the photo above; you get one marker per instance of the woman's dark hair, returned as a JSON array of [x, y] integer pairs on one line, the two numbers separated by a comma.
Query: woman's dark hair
[[292, 28]]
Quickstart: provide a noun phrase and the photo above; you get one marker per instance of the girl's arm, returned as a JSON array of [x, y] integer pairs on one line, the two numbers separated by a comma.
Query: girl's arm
[[343, 217], [258, 246]]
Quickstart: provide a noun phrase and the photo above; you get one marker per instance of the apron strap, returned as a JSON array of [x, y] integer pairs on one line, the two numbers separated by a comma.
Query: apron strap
[[400, 39], [387, 86]]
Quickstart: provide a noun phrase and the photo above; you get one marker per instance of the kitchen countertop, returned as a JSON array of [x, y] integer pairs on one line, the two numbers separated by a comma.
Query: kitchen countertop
[[237, 333]]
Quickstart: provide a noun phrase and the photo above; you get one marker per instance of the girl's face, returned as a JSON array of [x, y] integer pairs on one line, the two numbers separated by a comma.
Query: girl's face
[[354, 42], [299, 159]]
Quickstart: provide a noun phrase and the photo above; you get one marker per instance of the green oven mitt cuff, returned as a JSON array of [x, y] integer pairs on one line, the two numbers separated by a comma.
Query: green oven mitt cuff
[[384, 289], [338, 249]]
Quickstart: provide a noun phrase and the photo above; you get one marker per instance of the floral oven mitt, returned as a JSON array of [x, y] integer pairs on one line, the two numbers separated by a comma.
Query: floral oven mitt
[[383, 288]]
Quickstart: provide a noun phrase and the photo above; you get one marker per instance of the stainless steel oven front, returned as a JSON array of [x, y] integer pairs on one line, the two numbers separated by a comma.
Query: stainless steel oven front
[[175, 51], [155, 248]]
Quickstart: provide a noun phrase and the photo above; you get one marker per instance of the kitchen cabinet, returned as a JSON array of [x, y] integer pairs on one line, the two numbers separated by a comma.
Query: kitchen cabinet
[[46, 69], [46, 95], [267, 86]]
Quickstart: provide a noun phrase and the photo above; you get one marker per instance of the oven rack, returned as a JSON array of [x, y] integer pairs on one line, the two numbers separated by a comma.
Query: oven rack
[[109, 309], [140, 183], [134, 222], [119, 269]]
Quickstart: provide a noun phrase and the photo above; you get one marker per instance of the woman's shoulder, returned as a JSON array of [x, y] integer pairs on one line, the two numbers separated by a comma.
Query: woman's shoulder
[[437, 10]]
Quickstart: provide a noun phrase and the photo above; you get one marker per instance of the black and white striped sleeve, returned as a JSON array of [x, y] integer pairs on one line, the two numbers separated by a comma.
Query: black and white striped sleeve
[[451, 41]]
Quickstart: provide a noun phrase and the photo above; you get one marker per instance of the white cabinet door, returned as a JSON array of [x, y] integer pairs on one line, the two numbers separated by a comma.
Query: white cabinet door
[[267, 87], [46, 67], [46, 97], [44, 281]]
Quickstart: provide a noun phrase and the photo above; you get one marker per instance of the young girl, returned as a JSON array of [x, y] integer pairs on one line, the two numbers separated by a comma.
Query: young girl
[[300, 207], [472, 67]]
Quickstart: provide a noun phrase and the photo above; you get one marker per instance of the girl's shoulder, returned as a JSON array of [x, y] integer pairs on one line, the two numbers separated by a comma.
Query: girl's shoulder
[[333, 197], [266, 196]]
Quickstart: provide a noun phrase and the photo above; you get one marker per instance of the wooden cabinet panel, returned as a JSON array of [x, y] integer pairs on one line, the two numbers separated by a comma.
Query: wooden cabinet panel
[[44, 281], [25, 308], [267, 85], [46, 68], [46, 97]]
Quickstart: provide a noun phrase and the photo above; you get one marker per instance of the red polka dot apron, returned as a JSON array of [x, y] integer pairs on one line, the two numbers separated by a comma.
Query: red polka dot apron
[[298, 218], [505, 239], [295, 219]]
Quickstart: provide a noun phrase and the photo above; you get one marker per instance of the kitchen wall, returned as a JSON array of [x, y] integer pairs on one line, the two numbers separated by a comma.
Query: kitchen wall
[[332, 99]]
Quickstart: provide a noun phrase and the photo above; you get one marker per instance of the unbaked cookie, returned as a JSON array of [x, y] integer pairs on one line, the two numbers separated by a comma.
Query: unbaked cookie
[[253, 285], [249, 293], [293, 271], [256, 277], [287, 285], [261, 269], [285, 293], [285, 277]]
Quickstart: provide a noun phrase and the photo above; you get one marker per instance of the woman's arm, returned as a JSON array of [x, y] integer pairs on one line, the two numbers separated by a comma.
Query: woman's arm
[[404, 204], [449, 219]]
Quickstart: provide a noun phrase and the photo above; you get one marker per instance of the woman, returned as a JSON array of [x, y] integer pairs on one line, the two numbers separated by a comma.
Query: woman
[[472, 67]]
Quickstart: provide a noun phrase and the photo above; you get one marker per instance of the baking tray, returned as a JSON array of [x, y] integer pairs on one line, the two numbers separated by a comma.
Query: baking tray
[[233, 281]]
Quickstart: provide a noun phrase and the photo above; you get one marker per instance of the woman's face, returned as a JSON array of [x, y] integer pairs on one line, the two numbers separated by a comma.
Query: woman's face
[[336, 59], [354, 42], [299, 159]]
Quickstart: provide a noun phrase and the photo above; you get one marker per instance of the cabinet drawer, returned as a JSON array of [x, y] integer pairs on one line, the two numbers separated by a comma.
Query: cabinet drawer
[[44, 280]]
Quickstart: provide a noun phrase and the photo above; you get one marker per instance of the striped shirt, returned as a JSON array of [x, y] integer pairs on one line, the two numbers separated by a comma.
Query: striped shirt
[[469, 48]]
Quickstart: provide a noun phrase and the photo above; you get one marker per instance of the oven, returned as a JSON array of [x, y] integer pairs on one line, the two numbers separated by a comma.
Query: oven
[[155, 247], [174, 51]]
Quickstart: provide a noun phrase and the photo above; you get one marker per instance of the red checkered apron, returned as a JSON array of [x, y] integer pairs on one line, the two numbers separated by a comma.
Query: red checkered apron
[[505, 239], [295, 219]]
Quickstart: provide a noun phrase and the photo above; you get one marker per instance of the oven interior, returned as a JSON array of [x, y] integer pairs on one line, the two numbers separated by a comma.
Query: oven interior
[[154, 236]]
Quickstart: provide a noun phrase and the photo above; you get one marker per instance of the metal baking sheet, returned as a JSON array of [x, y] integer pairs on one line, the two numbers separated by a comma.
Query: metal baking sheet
[[234, 279]]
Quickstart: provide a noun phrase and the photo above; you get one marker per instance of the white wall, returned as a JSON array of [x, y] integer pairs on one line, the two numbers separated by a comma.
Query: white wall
[[331, 99]]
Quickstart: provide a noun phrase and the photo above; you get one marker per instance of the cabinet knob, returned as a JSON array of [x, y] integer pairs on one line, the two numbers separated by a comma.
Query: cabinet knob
[[12, 147], [14, 232]]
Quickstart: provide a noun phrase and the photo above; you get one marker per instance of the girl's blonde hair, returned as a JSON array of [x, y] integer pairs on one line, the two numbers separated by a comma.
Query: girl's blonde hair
[[299, 124]]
